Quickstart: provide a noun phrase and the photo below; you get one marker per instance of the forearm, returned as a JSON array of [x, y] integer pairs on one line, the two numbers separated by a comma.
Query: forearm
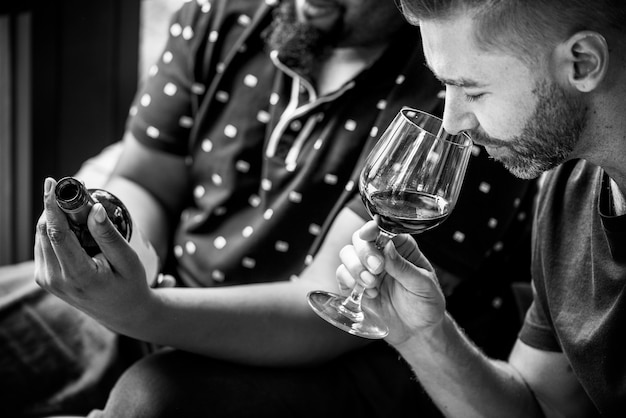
[[264, 324], [462, 381]]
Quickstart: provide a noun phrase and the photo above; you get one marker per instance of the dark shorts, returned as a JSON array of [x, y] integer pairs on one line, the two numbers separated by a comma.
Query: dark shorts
[[369, 382]]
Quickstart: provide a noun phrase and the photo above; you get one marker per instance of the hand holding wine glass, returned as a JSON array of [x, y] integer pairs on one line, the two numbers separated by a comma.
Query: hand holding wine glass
[[410, 183]]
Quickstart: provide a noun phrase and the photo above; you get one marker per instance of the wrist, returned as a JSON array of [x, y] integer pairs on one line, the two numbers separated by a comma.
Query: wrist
[[432, 339], [138, 320]]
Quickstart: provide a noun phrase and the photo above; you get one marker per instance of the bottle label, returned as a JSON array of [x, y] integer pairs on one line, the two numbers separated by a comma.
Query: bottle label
[[147, 254]]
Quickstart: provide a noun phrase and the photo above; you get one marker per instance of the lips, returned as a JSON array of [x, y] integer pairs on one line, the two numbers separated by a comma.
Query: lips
[[321, 12], [315, 7]]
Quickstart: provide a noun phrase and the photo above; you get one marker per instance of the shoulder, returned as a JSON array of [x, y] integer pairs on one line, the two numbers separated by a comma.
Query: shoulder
[[204, 28], [569, 185], [572, 174], [196, 13]]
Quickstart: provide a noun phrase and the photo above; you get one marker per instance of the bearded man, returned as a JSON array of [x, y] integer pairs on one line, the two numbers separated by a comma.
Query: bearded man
[[541, 85]]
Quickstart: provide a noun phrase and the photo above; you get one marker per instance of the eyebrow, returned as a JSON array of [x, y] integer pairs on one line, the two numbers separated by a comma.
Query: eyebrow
[[459, 82]]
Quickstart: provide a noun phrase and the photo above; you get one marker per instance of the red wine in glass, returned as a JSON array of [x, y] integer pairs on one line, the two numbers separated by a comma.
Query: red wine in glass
[[409, 183], [406, 212]]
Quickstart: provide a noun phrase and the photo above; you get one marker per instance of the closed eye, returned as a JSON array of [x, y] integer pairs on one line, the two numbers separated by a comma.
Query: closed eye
[[473, 97]]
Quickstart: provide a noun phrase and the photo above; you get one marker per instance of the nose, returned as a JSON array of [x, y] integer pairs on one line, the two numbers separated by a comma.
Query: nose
[[457, 116]]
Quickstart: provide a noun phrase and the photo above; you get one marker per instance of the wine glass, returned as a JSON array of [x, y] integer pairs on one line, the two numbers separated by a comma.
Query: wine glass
[[410, 183]]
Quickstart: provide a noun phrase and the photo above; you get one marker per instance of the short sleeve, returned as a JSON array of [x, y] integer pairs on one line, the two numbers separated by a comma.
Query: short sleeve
[[161, 116], [536, 330]]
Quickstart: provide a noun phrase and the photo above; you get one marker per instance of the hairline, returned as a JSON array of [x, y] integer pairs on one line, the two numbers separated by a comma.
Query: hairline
[[506, 42]]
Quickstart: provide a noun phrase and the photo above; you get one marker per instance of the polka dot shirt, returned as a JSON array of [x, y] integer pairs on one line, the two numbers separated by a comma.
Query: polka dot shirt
[[271, 162]]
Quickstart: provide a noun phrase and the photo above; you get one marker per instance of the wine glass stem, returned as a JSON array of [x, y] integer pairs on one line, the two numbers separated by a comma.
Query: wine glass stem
[[353, 302], [351, 306], [382, 239]]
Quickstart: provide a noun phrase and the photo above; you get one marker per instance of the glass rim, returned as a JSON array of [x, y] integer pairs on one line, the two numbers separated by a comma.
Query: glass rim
[[468, 139]]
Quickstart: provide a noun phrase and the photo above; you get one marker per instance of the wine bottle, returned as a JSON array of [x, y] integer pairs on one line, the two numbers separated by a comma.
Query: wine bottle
[[76, 201]]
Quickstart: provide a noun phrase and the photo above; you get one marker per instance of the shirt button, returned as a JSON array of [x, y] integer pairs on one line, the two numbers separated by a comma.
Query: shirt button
[[296, 125]]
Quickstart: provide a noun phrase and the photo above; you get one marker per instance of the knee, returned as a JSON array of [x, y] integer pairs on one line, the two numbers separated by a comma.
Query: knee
[[153, 387]]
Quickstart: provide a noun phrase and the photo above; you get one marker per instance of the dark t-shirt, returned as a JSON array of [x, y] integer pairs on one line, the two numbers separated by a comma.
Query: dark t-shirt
[[579, 273]]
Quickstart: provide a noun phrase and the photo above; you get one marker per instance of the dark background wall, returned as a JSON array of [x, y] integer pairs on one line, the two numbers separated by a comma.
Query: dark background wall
[[68, 72], [85, 58]]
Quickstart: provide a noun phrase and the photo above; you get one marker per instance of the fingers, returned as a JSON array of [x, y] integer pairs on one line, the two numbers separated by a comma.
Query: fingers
[[57, 230], [59, 256], [347, 282], [369, 231], [362, 262], [405, 244], [364, 244], [46, 263], [352, 270], [57, 249], [165, 280]]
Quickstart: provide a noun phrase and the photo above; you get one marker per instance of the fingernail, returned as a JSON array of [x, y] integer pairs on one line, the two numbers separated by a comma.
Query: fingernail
[[47, 185], [373, 262], [100, 214], [366, 278]]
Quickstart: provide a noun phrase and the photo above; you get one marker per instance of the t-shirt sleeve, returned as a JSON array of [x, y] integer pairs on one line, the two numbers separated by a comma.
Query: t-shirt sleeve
[[161, 116], [536, 330]]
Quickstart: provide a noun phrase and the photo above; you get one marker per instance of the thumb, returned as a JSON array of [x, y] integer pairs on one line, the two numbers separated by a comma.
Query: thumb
[[413, 275], [112, 244]]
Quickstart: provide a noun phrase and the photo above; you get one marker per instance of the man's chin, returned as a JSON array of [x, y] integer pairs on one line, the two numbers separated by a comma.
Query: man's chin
[[526, 170], [517, 167]]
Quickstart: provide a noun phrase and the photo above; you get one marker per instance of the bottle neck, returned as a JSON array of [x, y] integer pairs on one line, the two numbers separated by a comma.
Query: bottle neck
[[74, 199]]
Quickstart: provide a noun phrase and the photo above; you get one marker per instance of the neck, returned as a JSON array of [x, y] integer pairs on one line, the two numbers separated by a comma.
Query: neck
[[343, 65], [603, 142]]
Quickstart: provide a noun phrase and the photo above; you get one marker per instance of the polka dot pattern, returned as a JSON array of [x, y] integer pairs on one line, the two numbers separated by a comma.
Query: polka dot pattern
[[254, 212]]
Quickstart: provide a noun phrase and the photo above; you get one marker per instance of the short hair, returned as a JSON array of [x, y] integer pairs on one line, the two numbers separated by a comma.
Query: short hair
[[526, 27]]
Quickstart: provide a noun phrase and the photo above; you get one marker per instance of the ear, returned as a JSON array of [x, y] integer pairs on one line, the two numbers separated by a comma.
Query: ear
[[584, 58]]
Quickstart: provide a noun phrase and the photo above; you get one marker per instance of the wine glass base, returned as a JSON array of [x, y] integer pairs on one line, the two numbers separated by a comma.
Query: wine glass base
[[328, 306]]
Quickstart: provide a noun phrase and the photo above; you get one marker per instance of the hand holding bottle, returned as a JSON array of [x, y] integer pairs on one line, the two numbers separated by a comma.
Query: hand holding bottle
[[76, 201], [110, 286], [404, 283]]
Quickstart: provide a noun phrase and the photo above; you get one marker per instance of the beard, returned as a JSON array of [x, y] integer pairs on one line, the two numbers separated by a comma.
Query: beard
[[548, 138], [300, 46]]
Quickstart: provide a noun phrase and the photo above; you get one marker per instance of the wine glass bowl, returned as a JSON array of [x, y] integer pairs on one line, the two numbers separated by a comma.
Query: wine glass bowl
[[410, 183], [412, 178]]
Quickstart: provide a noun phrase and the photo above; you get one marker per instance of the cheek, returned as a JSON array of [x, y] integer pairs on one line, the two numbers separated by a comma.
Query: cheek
[[505, 119]]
